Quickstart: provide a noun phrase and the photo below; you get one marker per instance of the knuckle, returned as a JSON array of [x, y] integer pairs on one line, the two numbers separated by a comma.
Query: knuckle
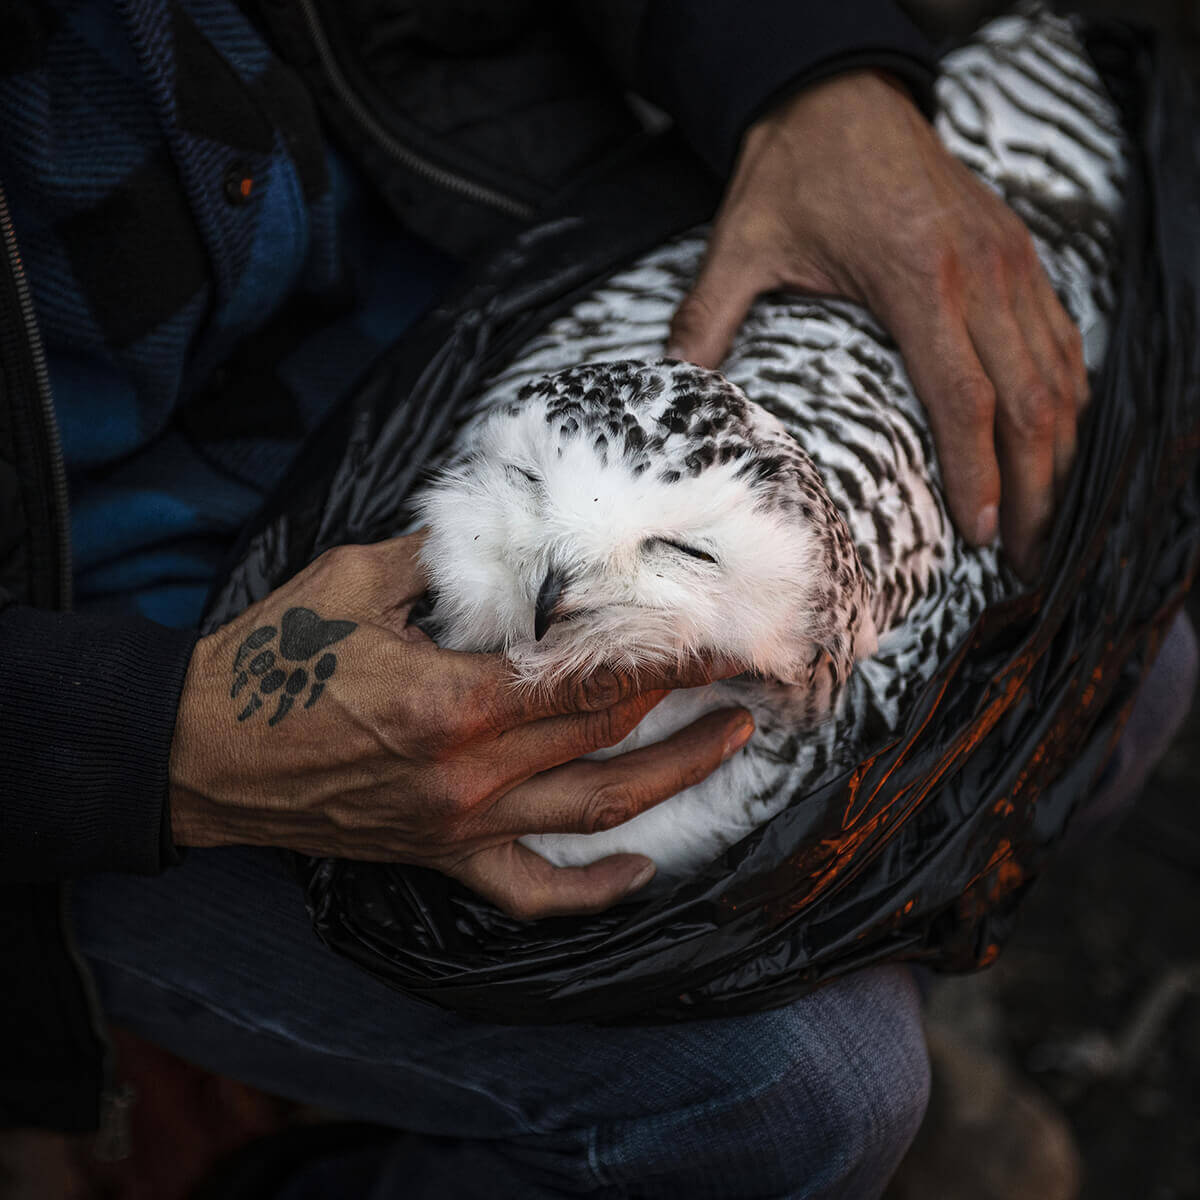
[[609, 805], [1036, 413], [936, 270], [455, 807], [609, 726], [977, 400], [1064, 390], [478, 711], [460, 794], [426, 728], [471, 699], [690, 313], [695, 314], [995, 264], [599, 690]]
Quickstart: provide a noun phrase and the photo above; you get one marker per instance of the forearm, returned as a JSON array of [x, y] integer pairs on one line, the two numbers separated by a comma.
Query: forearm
[[87, 713]]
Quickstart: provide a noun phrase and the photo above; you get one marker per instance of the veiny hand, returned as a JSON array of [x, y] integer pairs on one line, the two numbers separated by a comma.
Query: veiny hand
[[320, 721], [845, 190]]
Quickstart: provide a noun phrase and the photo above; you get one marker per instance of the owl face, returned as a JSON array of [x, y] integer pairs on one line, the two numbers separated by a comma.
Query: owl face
[[604, 531]]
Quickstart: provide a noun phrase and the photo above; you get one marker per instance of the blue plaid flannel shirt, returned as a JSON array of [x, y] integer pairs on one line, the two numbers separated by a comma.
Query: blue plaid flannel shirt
[[209, 276]]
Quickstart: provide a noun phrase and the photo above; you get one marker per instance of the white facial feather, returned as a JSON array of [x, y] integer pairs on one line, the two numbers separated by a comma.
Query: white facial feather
[[612, 477]]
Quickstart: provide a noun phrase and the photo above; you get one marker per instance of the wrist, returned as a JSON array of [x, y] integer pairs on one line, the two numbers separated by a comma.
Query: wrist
[[196, 820], [835, 96]]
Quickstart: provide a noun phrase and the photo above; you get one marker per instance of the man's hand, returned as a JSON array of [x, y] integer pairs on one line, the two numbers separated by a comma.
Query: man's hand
[[846, 190], [320, 721]]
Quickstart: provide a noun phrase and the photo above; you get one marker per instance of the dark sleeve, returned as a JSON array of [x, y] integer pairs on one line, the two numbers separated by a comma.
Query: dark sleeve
[[87, 714], [717, 65]]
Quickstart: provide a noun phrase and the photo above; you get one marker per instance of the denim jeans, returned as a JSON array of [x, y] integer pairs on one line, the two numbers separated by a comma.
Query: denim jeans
[[215, 961]]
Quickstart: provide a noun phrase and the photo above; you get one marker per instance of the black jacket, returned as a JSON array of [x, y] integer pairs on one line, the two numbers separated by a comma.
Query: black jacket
[[526, 109]]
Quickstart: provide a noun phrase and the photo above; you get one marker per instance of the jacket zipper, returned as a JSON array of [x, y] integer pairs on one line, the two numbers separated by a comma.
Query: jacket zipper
[[41, 379], [417, 163]]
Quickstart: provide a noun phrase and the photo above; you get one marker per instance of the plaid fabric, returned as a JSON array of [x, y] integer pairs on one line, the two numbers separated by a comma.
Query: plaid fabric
[[209, 276]]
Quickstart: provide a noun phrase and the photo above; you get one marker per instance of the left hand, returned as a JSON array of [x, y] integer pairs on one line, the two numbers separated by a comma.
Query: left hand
[[846, 190]]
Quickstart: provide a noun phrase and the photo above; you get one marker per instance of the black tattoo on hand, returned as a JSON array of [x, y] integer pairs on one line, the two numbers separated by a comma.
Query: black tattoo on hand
[[302, 635]]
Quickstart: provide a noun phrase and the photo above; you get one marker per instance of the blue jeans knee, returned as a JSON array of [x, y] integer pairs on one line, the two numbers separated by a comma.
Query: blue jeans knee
[[820, 1100]]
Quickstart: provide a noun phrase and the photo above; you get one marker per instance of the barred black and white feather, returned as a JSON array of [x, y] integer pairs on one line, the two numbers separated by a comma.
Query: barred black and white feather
[[806, 474]]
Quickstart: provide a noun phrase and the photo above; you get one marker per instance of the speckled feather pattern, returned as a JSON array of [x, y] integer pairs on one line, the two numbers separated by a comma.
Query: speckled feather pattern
[[815, 430]]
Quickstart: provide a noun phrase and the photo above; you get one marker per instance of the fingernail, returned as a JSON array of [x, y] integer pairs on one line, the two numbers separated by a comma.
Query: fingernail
[[987, 526], [642, 878], [737, 739]]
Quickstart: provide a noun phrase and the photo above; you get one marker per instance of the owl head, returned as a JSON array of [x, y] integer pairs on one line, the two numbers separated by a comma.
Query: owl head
[[631, 514]]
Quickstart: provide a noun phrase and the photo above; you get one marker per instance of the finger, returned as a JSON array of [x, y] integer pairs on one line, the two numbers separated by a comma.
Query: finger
[[381, 581], [494, 702], [1043, 346], [705, 324], [960, 401], [402, 582], [1026, 422], [587, 797], [525, 885], [1068, 337], [537, 746], [1070, 346]]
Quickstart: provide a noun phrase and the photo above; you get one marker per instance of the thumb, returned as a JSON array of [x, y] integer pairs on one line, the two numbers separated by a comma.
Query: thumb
[[400, 581], [704, 325]]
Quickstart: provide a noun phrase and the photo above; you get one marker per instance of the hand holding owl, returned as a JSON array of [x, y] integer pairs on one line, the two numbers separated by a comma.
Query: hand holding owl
[[321, 721], [846, 190]]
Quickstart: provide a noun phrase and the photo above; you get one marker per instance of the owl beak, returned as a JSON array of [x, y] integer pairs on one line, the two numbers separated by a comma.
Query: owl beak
[[549, 596]]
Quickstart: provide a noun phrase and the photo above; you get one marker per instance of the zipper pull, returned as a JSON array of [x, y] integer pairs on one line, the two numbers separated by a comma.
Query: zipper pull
[[114, 1138]]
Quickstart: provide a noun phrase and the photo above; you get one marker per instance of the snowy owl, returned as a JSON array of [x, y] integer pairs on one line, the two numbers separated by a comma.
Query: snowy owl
[[630, 514], [601, 504]]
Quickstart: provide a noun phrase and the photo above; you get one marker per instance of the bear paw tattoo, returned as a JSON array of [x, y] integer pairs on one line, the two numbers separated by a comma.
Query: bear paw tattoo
[[302, 636]]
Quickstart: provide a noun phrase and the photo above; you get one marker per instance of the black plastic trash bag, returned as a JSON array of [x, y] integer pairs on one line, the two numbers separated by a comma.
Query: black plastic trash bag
[[923, 851]]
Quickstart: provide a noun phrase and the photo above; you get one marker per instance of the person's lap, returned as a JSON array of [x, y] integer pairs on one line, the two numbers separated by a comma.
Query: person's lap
[[216, 961]]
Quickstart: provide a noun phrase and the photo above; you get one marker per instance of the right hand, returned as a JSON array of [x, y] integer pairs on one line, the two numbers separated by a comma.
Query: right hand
[[352, 735], [845, 189]]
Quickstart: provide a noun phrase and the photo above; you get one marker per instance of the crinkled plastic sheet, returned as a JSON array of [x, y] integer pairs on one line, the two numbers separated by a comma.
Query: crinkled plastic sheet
[[923, 851]]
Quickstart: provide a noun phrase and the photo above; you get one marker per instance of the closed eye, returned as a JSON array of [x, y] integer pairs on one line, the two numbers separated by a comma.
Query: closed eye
[[527, 474], [691, 551]]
